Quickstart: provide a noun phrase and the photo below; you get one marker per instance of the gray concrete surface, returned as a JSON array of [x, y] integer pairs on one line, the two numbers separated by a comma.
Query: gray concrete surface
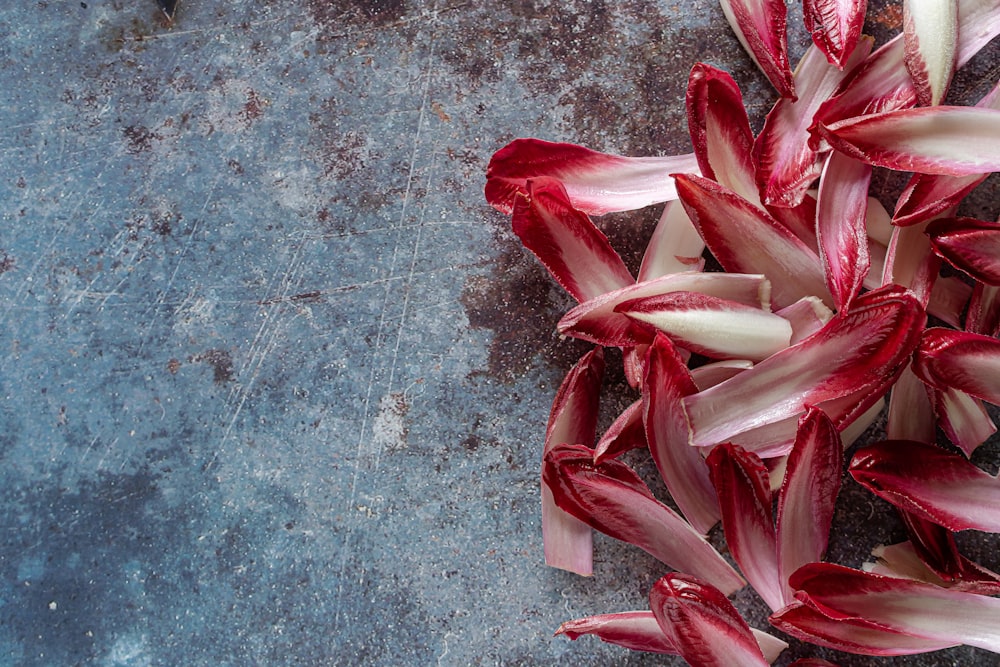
[[274, 377]]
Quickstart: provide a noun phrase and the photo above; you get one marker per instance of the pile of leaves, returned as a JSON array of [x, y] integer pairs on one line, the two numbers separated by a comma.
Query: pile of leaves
[[755, 380]]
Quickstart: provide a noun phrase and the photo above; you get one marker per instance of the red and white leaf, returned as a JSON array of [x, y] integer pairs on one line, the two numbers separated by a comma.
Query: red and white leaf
[[808, 495], [965, 361], [674, 247], [910, 262], [568, 541], [930, 40], [596, 320], [711, 374], [901, 605], [742, 484], [575, 252], [911, 413], [970, 245], [936, 547], [596, 183], [761, 27], [681, 466], [625, 433], [786, 163], [956, 141], [702, 624], [635, 630], [745, 239], [858, 353], [902, 560], [984, 311], [963, 419], [807, 316], [710, 326], [720, 130], [850, 635], [929, 482], [841, 229], [612, 498], [835, 26]]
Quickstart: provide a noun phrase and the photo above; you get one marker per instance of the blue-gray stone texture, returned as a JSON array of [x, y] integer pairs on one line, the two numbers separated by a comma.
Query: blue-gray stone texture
[[273, 377]]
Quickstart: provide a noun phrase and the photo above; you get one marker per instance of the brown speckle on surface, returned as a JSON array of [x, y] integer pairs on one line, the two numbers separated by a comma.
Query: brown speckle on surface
[[221, 362]]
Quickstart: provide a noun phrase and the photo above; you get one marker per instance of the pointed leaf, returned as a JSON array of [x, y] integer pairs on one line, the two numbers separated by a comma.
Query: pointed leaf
[[840, 226], [910, 262], [931, 483], [984, 311], [702, 624], [711, 374], [835, 26], [710, 326], [965, 361], [930, 40], [674, 247], [596, 183], [573, 419], [742, 484], [636, 630], [596, 320], [963, 419], [760, 25], [911, 414], [745, 239], [613, 499], [625, 433], [957, 141], [786, 163], [936, 548], [666, 382], [857, 353], [808, 495], [573, 250], [970, 245], [901, 605]]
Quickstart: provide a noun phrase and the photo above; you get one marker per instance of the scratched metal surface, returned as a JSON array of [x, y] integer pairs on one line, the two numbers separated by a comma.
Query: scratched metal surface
[[273, 375]]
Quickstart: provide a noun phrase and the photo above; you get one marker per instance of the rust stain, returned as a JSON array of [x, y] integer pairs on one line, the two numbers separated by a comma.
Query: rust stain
[[442, 115], [891, 16]]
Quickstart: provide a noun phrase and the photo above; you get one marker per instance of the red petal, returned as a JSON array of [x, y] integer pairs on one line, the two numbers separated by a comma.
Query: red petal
[[970, 245], [835, 26], [786, 164], [574, 251], [596, 183], [858, 353], [957, 141], [702, 624], [625, 433], [760, 25], [613, 499], [683, 470], [573, 419], [808, 495], [965, 361], [930, 483], [636, 630], [745, 239], [741, 481], [840, 226]]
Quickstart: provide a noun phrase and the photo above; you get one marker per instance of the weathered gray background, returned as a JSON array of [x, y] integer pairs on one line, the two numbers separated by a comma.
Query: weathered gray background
[[274, 378]]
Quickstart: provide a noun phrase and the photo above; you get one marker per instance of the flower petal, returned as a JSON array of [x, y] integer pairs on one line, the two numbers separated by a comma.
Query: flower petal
[[901, 605], [760, 25], [666, 382], [961, 360], [957, 141], [931, 483], [568, 541], [745, 239], [636, 630], [840, 226], [716, 328], [613, 499], [930, 40], [596, 320], [970, 245], [858, 353], [596, 183], [702, 624], [808, 495], [835, 26], [742, 484], [573, 250], [786, 163]]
